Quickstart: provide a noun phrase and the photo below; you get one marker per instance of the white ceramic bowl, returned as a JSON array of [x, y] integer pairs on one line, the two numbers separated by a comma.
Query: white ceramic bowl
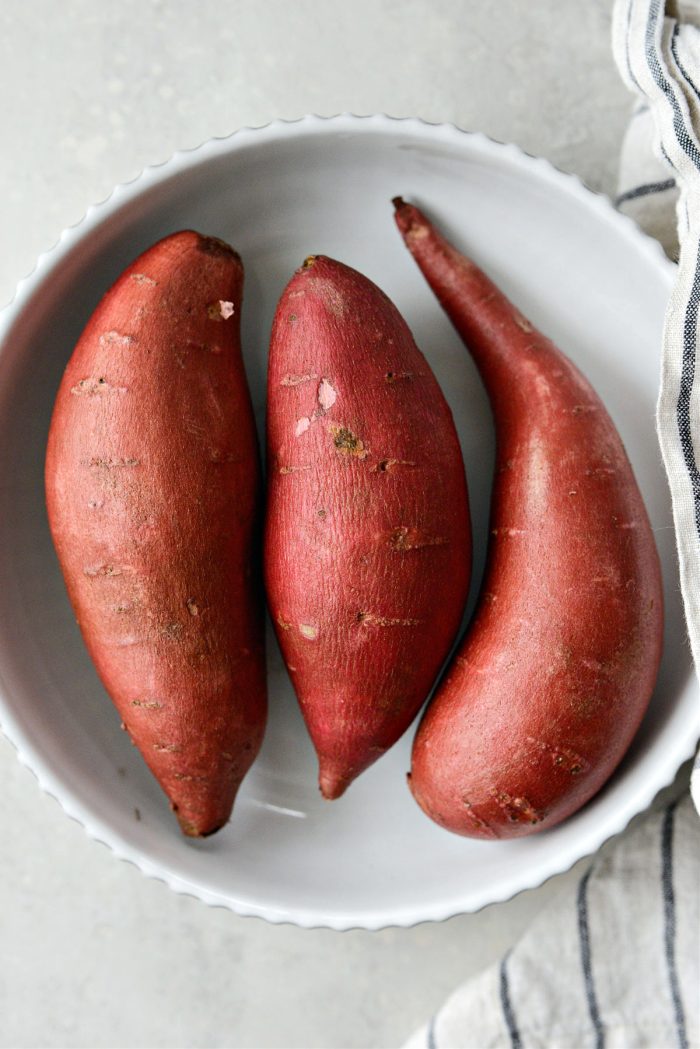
[[579, 270]]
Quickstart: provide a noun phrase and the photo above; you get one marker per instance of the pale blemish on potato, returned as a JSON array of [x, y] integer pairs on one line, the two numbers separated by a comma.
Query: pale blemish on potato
[[95, 388], [562, 757], [105, 570], [327, 395], [517, 809], [110, 338], [523, 323], [371, 619], [309, 631], [142, 278], [113, 463], [403, 538], [220, 310], [297, 380]]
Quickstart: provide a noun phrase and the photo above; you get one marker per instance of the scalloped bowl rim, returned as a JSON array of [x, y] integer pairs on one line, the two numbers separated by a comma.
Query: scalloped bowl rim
[[27, 752]]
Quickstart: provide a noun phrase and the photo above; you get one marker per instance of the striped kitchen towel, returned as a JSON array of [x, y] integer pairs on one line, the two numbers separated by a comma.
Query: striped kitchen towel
[[657, 48], [612, 963]]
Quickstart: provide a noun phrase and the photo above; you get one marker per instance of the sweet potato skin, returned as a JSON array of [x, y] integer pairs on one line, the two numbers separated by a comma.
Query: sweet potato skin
[[548, 687], [368, 541], [153, 496]]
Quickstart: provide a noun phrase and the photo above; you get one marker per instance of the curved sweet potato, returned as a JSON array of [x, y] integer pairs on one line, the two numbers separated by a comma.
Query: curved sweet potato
[[152, 487], [368, 542], [553, 677]]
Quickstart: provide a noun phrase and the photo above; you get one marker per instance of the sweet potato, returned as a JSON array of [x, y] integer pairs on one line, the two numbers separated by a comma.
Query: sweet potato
[[153, 491], [368, 541], [553, 677]]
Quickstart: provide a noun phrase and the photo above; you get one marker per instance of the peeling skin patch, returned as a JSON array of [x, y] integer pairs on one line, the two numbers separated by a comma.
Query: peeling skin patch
[[392, 377], [327, 395], [518, 810], [583, 409], [171, 631], [109, 464], [220, 310], [562, 757], [147, 704], [127, 641], [292, 469], [403, 538], [110, 338], [282, 622], [297, 380], [348, 443], [523, 323], [384, 465], [416, 232], [105, 570], [309, 631], [192, 607], [141, 278], [327, 293], [600, 471], [168, 748], [95, 387], [371, 619], [477, 820]]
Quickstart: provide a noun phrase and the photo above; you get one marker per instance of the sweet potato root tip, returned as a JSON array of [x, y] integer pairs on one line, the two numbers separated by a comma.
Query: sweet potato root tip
[[193, 830], [214, 246], [331, 781], [406, 216]]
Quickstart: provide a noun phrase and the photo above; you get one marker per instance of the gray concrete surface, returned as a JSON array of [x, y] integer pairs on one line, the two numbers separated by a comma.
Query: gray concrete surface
[[92, 953]]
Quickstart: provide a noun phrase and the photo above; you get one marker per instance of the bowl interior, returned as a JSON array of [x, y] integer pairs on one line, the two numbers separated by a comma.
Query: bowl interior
[[580, 272]]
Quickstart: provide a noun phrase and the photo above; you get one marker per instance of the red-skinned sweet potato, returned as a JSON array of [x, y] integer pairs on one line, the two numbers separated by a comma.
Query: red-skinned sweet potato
[[368, 542], [555, 673], [153, 495]]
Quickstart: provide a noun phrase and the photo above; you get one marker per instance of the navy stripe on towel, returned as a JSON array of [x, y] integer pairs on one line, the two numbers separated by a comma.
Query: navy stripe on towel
[[682, 70], [690, 326], [683, 137], [670, 922], [645, 190], [507, 1006], [585, 938]]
